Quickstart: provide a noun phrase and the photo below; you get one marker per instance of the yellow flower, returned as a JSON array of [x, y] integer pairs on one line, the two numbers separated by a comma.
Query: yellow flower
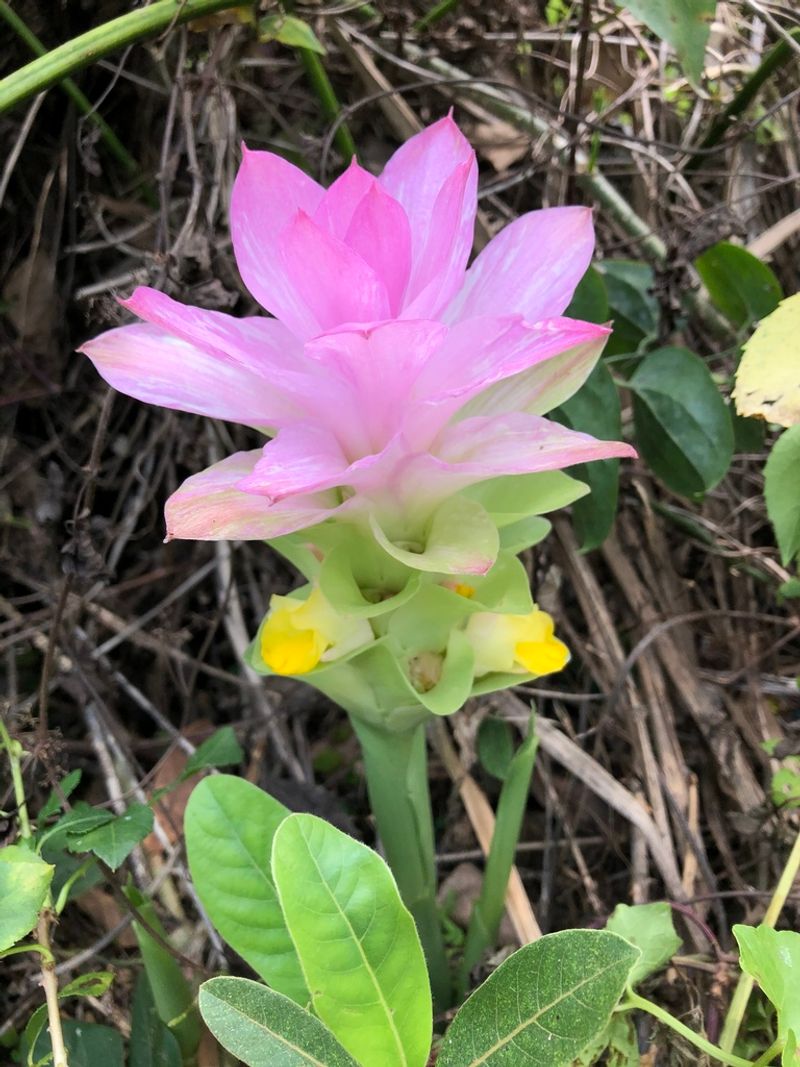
[[516, 644], [297, 635]]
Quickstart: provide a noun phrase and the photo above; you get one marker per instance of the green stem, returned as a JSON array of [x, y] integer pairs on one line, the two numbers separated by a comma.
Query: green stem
[[396, 768], [331, 108], [14, 753], [438, 11], [633, 1000], [81, 101], [770, 1054], [777, 57], [744, 987], [60, 62]]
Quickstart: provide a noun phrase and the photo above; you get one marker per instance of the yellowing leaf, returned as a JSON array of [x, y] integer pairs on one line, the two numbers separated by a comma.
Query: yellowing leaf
[[768, 379]]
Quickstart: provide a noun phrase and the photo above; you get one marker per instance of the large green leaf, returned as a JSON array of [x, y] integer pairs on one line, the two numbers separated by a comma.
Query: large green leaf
[[595, 409], [111, 837], [742, 287], [263, 1028], [684, 24], [357, 943], [152, 1043], [772, 957], [88, 1045], [229, 829], [544, 1004], [683, 427], [782, 492], [632, 306], [24, 881], [649, 927]]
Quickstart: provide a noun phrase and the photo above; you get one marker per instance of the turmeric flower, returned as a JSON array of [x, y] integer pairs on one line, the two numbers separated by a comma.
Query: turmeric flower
[[391, 377]]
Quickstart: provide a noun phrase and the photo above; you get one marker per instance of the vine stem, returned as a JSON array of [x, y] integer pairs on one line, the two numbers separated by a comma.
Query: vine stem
[[744, 987], [62, 61], [48, 964], [633, 1000]]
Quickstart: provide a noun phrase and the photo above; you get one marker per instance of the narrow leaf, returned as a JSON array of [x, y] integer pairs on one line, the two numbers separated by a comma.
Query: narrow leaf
[[544, 1004], [229, 828], [290, 31], [152, 1043], [263, 1028], [357, 943]]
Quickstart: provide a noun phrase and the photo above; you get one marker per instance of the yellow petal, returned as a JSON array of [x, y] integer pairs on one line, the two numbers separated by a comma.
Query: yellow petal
[[542, 657], [296, 652]]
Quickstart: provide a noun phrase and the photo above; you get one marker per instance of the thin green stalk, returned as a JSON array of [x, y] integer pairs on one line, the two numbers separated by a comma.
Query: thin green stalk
[[744, 987], [633, 1000], [438, 11], [488, 910], [776, 58], [396, 768], [81, 101], [331, 108], [60, 62]]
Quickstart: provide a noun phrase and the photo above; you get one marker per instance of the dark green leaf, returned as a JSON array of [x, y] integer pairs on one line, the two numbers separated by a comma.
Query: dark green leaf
[[53, 803], [113, 839], [683, 428], [632, 307], [262, 1028], [152, 1043], [495, 746], [220, 750], [590, 299], [782, 492], [742, 287], [88, 1045], [595, 409], [544, 1004]]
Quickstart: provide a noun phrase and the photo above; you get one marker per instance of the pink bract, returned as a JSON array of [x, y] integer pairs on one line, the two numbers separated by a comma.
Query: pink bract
[[391, 376]]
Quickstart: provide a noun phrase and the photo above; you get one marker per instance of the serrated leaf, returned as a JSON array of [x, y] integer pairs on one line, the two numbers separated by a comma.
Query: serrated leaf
[[291, 31], [742, 287], [649, 927], [782, 492], [683, 24], [152, 1043], [683, 428], [595, 409], [229, 827], [768, 378], [112, 839], [262, 1028], [544, 1004], [222, 749], [772, 958], [24, 881], [357, 943]]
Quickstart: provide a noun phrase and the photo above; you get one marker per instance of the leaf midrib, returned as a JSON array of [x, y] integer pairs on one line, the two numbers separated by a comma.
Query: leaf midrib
[[539, 1013], [273, 1033]]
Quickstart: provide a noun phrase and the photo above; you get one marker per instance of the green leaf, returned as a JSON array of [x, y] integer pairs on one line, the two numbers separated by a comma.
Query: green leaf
[[220, 750], [91, 984], [172, 994], [24, 881], [633, 307], [768, 377], [782, 492], [683, 428], [590, 299], [544, 1004], [265, 1029], [229, 828], [495, 746], [516, 496], [772, 957], [683, 24], [53, 803], [462, 540], [620, 1043], [88, 1045], [649, 927], [152, 1043], [291, 31], [112, 839], [595, 409], [742, 287], [785, 787], [357, 943]]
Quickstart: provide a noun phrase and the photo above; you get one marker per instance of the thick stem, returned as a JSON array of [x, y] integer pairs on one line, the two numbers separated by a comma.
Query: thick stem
[[50, 984], [741, 995], [396, 767]]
